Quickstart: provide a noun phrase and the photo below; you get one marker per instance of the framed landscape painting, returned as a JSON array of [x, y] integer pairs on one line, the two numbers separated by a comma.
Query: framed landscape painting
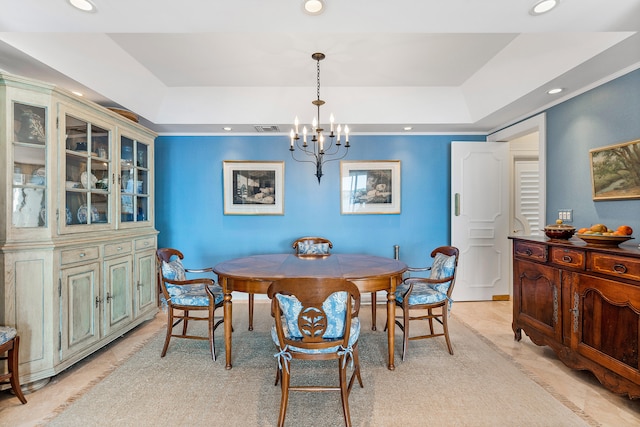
[[370, 187], [615, 171], [253, 188]]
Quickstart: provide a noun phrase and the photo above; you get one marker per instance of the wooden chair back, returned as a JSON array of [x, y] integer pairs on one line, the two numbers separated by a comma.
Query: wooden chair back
[[449, 251], [313, 240], [312, 320]]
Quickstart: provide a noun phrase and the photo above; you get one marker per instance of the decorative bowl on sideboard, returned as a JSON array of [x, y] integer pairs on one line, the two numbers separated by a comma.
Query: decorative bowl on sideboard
[[559, 231], [606, 241]]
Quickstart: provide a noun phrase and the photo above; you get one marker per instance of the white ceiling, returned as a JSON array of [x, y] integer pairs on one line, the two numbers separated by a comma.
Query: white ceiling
[[195, 66]]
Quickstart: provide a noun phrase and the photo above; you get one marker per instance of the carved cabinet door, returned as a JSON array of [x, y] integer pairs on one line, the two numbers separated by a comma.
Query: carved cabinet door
[[605, 324], [537, 293]]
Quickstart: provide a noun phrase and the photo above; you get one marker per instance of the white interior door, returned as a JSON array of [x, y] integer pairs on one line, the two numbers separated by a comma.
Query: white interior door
[[480, 218]]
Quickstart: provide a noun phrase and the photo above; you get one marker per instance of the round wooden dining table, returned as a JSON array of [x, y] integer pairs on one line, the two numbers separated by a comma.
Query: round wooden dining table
[[254, 274]]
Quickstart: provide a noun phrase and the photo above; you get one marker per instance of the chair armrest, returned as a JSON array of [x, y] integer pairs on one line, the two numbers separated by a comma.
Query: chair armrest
[[411, 280], [199, 270], [418, 268], [202, 280]]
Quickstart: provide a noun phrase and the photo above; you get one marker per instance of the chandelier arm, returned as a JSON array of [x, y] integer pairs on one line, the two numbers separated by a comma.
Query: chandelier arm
[[306, 150], [314, 161], [333, 146], [337, 158]]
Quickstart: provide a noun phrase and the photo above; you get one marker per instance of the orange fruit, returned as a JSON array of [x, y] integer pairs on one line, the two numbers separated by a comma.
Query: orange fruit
[[625, 230], [583, 230]]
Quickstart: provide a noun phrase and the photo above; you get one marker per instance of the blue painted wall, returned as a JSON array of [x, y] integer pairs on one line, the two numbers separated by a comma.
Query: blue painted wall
[[606, 115], [189, 203]]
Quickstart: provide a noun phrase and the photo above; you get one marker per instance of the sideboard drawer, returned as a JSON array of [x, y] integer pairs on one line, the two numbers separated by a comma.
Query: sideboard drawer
[[146, 243], [117, 248], [568, 257], [77, 255], [530, 250], [617, 266]]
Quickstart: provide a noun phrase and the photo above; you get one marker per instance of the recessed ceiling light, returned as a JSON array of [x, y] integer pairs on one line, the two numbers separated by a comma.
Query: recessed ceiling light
[[75, 92], [543, 6], [408, 128], [83, 5], [313, 7], [227, 128], [555, 90]]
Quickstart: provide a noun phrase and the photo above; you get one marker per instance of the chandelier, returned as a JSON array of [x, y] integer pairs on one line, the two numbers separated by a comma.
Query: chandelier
[[318, 149]]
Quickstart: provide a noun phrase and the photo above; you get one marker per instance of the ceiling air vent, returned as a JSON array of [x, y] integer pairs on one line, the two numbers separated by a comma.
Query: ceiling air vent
[[266, 128]]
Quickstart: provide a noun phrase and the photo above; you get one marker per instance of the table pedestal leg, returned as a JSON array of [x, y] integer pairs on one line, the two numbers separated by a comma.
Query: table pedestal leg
[[391, 326], [228, 328]]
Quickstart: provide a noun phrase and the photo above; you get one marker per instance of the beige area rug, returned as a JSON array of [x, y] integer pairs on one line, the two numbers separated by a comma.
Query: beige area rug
[[477, 386]]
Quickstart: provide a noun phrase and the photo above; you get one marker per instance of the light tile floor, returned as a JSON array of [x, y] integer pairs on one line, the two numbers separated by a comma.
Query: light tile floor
[[492, 319]]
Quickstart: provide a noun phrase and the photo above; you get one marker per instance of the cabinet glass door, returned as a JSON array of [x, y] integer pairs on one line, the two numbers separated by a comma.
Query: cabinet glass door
[[134, 180], [87, 172], [29, 166]]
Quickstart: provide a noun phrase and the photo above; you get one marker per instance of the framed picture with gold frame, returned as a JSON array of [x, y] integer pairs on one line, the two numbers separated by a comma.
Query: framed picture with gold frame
[[253, 187], [370, 187], [615, 171]]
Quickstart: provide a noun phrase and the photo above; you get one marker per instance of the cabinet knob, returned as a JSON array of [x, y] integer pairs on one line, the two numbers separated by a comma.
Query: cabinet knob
[[528, 252], [82, 255], [619, 268], [567, 258]]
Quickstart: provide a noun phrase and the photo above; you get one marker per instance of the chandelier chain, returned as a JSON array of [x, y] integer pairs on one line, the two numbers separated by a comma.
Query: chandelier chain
[[318, 80]]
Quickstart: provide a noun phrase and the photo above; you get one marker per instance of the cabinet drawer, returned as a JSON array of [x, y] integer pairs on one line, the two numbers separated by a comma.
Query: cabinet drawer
[[568, 257], [77, 255], [530, 250], [117, 248], [616, 266], [146, 243]]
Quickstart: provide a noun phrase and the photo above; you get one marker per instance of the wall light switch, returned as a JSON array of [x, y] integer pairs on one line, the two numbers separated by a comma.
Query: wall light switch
[[566, 215]]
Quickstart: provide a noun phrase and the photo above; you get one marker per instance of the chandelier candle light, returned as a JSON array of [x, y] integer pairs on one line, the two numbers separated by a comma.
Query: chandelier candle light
[[319, 150]]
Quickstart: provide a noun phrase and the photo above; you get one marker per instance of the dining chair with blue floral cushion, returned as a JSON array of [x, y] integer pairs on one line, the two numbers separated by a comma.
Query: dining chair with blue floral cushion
[[432, 294], [182, 296], [10, 344], [312, 246], [316, 319]]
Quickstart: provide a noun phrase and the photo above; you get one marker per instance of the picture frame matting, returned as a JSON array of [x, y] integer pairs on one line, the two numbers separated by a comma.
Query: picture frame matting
[[253, 187], [370, 187]]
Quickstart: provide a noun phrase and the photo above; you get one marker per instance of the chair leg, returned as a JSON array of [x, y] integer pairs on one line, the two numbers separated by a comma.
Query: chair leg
[[211, 336], [405, 331], [185, 322], [277, 375], [251, 312], [344, 390], [430, 313], [12, 360], [445, 326], [284, 384], [373, 311], [169, 331], [356, 365]]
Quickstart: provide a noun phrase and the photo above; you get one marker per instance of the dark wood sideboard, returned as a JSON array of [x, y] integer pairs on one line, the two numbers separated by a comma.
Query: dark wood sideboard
[[583, 301]]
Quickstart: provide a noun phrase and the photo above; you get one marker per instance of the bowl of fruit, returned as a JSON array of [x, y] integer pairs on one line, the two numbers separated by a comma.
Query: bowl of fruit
[[559, 230], [601, 235]]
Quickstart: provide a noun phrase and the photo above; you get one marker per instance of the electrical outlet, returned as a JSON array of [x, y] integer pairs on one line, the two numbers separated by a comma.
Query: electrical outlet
[[566, 215]]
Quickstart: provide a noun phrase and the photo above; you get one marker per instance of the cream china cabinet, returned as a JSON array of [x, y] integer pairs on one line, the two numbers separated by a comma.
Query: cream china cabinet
[[77, 237]]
